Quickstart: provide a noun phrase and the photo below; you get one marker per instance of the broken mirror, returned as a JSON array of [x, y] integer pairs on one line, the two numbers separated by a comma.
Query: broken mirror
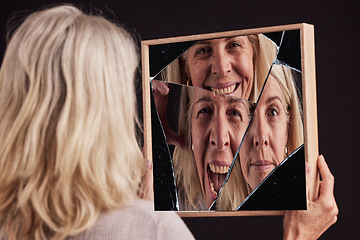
[[227, 121]]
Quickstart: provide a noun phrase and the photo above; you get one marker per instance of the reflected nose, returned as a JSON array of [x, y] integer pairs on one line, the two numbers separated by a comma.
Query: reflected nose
[[261, 136], [221, 64], [219, 136]]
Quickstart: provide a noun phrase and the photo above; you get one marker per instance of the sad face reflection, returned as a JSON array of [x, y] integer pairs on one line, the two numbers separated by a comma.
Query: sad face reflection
[[218, 123], [264, 145]]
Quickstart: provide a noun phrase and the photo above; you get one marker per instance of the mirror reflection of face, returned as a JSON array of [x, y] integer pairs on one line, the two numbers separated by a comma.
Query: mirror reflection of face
[[264, 145], [218, 123], [222, 65]]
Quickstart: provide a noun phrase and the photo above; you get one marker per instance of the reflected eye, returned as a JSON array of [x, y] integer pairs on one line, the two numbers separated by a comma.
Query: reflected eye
[[273, 112], [235, 113], [234, 44], [203, 50], [204, 110]]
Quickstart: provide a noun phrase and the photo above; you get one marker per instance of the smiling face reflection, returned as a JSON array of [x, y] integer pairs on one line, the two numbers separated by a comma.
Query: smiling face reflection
[[263, 147], [218, 123], [222, 65]]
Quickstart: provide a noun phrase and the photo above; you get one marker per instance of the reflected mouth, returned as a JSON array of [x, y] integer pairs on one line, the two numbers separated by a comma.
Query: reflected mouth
[[216, 177], [225, 90], [262, 165]]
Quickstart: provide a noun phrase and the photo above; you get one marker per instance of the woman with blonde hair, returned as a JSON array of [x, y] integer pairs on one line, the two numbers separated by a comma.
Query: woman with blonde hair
[[284, 114], [276, 128], [70, 163]]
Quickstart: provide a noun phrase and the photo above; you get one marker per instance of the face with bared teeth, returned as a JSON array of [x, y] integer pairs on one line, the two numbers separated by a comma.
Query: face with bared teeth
[[263, 147], [222, 65], [218, 123]]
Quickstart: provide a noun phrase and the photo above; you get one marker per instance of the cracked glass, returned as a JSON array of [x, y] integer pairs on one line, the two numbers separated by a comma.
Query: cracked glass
[[210, 99]]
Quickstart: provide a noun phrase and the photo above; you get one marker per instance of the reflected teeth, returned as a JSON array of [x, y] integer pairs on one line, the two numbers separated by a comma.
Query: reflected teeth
[[218, 169], [227, 90], [213, 189]]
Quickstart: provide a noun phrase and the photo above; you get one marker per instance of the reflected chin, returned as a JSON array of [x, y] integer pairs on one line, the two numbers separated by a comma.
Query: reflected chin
[[258, 174]]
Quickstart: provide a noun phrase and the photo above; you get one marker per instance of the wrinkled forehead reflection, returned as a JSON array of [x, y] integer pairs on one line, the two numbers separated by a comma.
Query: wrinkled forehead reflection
[[201, 97]]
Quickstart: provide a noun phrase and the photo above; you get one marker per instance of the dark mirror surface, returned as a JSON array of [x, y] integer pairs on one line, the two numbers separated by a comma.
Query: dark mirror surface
[[162, 55], [283, 188], [164, 182]]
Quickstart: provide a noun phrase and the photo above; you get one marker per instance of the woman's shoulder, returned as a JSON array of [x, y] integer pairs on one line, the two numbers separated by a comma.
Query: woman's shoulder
[[137, 220]]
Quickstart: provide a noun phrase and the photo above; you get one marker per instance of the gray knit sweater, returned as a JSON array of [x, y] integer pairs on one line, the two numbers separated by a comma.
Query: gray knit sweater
[[136, 221]]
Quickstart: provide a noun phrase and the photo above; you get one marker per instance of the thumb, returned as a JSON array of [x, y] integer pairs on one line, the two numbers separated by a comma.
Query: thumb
[[327, 182]]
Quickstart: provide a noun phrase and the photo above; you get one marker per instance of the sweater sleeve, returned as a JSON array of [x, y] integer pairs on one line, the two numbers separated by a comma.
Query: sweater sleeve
[[172, 227]]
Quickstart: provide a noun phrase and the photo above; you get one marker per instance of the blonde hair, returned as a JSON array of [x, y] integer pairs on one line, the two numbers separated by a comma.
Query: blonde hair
[[230, 199], [68, 149], [285, 77]]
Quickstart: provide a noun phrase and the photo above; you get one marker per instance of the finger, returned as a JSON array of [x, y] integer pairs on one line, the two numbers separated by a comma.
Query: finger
[[147, 186], [164, 89], [161, 87], [327, 183]]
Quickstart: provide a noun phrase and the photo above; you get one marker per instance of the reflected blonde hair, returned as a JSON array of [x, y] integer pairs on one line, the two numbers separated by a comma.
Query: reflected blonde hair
[[68, 149], [285, 77], [187, 179], [230, 199]]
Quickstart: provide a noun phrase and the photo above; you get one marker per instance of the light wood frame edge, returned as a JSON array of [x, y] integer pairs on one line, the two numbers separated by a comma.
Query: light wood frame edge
[[310, 107], [309, 110]]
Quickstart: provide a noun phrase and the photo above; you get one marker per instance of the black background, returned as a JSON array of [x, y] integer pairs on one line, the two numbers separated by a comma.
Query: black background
[[337, 25]]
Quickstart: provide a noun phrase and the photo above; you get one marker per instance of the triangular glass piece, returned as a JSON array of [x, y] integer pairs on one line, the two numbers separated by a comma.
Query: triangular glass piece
[[165, 195], [162, 55], [290, 50], [276, 37], [283, 189]]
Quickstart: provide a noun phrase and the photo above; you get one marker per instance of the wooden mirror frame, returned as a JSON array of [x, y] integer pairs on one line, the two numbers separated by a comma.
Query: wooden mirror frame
[[309, 104]]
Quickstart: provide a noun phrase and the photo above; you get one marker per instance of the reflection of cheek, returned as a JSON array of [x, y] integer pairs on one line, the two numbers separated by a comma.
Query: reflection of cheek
[[197, 77], [245, 67]]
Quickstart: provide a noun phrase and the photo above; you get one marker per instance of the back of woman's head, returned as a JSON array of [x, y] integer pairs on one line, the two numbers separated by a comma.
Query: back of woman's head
[[68, 149]]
